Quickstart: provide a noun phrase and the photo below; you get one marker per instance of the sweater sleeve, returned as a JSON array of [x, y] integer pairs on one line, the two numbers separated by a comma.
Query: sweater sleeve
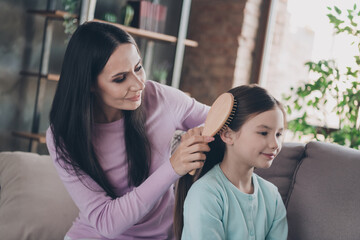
[[185, 111], [202, 214], [279, 227], [111, 217]]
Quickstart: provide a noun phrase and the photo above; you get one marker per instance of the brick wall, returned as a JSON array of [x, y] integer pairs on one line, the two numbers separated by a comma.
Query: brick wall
[[226, 31]]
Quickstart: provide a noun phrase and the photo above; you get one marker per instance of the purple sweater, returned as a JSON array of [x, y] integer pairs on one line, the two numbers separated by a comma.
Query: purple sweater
[[140, 212]]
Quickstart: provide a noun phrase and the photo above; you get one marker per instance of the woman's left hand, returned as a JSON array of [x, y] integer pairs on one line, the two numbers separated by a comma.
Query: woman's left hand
[[190, 153]]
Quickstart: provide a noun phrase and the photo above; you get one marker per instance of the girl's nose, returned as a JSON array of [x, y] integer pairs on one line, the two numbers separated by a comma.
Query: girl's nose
[[274, 143]]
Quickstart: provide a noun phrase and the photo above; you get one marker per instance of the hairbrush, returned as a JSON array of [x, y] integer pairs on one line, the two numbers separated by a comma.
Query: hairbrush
[[219, 117]]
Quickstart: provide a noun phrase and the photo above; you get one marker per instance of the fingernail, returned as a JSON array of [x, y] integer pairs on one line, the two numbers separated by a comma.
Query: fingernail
[[209, 139]]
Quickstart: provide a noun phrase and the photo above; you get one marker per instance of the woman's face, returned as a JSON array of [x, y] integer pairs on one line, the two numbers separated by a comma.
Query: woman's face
[[121, 82]]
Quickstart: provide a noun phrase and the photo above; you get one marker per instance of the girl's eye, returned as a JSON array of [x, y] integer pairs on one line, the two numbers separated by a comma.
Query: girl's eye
[[263, 133], [279, 134], [120, 79], [138, 68]]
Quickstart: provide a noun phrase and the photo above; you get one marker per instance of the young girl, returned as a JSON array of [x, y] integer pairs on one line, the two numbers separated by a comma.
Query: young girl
[[109, 137], [229, 201]]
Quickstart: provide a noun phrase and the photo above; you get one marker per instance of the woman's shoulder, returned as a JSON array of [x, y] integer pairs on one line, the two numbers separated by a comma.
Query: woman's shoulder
[[152, 87], [160, 91]]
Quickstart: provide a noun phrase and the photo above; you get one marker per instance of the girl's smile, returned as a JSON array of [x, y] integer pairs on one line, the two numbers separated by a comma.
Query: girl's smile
[[270, 156]]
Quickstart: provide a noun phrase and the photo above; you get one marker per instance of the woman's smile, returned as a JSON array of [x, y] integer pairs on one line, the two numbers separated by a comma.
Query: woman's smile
[[135, 98]]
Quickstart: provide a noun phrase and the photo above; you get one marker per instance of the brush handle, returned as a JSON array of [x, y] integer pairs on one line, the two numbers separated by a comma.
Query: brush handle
[[220, 114], [192, 172]]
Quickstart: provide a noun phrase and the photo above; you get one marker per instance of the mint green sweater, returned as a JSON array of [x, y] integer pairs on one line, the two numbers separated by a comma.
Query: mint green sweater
[[215, 209]]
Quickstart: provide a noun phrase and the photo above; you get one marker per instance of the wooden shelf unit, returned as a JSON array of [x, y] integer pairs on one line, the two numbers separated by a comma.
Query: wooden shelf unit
[[56, 14], [151, 35], [41, 138], [51, 77]]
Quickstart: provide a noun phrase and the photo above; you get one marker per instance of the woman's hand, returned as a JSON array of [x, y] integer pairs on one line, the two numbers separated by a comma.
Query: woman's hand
[[190, 153]]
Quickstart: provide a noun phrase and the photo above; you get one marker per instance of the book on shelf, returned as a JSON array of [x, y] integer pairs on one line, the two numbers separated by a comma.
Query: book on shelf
[[149, 16]]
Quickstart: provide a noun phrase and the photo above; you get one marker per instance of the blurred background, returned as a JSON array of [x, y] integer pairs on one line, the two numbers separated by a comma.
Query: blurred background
[[306, 53]]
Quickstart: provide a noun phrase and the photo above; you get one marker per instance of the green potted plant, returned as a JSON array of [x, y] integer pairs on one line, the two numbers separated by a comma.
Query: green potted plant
[[160, 72], [70, 21], [331, 88]]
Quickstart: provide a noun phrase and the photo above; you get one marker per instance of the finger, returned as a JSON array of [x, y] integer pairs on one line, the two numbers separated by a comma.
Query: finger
[[199, 147], [194, 157], [192, 132], [188, 134], [197, 139], [197, 131], [196, 165]]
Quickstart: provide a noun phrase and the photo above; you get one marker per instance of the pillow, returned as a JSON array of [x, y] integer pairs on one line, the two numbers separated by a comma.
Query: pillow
[[33, 201]]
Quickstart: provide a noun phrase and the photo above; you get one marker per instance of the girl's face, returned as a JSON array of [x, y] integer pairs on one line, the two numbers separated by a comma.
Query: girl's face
[[259, 140], [121, 82]]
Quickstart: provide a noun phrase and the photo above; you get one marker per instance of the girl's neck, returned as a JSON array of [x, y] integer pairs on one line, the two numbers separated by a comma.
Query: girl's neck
[[238, 174]]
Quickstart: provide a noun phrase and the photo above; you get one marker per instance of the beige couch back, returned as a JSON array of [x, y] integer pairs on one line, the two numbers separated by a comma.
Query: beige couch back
[[33, 201]]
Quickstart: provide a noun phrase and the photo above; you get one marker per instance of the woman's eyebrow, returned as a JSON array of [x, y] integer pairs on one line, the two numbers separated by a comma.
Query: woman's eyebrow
[[120, 73], [138, 62]]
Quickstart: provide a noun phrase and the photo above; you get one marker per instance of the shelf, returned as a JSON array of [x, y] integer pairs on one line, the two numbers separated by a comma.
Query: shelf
[[32, 136], [56, 14], [151, 35], [51, 77]]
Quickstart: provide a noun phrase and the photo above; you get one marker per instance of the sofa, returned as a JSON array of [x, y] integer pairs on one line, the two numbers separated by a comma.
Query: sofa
[[34, 204], [319, 184]]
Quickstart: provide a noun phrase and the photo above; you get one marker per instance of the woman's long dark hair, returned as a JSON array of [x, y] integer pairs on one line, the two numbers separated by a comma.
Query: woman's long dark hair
[[251, 100], [71, 116]]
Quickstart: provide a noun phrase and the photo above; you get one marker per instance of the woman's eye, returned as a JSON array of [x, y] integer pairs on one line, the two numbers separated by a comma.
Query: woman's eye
[[138, 68], [279, 134], [263, 133], [120, 79]]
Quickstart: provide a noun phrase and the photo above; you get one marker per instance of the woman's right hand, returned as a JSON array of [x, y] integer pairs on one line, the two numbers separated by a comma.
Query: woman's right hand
[[189, 155]]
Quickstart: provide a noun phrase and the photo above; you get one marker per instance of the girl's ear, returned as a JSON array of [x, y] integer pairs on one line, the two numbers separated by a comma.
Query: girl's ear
[[228, 136]]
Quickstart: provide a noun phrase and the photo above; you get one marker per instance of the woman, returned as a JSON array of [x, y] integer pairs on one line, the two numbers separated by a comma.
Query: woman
[[109, 137]]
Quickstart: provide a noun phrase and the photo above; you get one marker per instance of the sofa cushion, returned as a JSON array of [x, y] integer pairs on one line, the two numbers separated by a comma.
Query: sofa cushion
[[33, 201], [325, 197], [282, 170]]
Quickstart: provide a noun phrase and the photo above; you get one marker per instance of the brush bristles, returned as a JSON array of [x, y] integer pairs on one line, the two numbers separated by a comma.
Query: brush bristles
[[230, 118]]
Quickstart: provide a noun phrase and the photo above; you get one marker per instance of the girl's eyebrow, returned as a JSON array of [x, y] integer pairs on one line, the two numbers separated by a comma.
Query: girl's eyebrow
[[264, 126], [267, 127], [120, 73]]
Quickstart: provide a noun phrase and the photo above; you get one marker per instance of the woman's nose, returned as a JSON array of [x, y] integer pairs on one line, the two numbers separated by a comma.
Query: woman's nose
[[137, 83]]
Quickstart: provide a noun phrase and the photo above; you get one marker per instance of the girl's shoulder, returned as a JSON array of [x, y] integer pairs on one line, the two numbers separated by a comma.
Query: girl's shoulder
[[265, 186], [206, 194], [211, 183], [263, 182]]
